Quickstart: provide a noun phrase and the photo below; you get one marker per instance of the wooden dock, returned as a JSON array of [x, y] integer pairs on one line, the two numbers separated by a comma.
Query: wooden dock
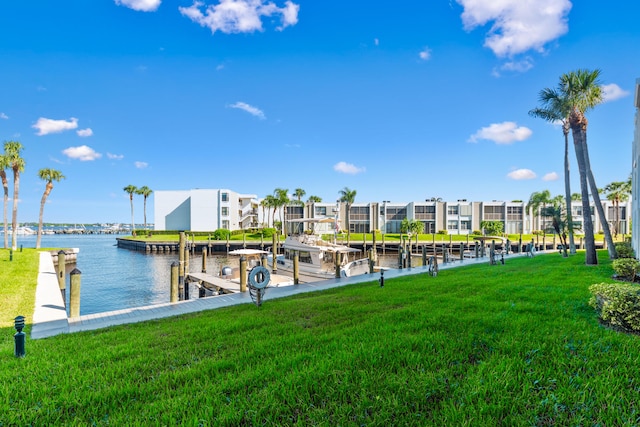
[[229, 286]]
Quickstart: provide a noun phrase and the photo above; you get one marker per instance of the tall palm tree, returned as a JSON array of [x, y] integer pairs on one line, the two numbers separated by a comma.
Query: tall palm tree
[[299, 194], [4, 164], [282, 200], [314, 199], [554, 210], [12, 150], [536, 200], [348, 197], [131, 190], [584, 93], [617, 192], [145, 192], [556, 108], [48, 175]]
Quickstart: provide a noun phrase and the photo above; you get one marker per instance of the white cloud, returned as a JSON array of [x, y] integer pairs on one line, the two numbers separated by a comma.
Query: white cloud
[[425, 54], [3, 116], [141, 165], [115, 156], [220, 67], [517, 25], [46, 126], [521, 174], [239, 16], [348, 168], [82, 153], [84, 132], [140, 5], [551, 176], [376, 41], [612, 91], [502, 133], [519, 66], [249, 109]]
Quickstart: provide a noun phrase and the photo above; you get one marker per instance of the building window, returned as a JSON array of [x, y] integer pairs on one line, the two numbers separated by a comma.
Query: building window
[[225, 197], [493, 213], [514, 213], [452, 225], [452, 210], [225, 224], [321, 211], [465, 210], [465, 225], [359, 213], [425, 212], [396, 214], [224, 211]]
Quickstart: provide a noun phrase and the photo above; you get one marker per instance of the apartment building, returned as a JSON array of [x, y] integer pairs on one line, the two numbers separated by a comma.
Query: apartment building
[[205, 210]]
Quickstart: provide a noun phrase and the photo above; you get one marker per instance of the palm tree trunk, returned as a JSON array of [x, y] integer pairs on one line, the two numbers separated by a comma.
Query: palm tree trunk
[[591, 257], [6, 216], [40, 217], [133, 227], [596, 199], [14, 216], [145, 213], [567, 194]]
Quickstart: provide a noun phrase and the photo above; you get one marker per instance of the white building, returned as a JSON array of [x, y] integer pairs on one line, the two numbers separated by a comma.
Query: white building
[[635, 177], [205, 210]]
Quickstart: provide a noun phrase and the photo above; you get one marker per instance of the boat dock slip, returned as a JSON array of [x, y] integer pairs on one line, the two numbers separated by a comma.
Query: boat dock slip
[[216, 283]]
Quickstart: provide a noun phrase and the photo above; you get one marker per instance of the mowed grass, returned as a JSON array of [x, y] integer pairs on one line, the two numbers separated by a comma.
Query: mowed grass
[[514, 344]]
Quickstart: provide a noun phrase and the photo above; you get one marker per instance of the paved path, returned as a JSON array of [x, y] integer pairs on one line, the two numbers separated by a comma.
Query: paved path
[[50, 315]]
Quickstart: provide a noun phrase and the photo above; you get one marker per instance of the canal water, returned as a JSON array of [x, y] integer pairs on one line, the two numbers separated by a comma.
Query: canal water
[[114, 279]]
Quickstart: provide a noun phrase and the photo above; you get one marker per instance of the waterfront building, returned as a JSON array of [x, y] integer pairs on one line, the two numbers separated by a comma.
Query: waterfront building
[[209, 210], [205, 210], [635, 176]]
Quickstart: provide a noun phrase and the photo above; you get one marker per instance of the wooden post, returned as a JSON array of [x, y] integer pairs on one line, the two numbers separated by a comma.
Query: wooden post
[[274, 252], [243, 274], [375, 248], [409, 255], [424, 255], [336, 260], [261, 242], [364, 242], [74, 298], [181, 250], [383, 247], [544, 242], [263, 261], [520, 244], [461, 251], [62, 268], [371, 260], [174, 282], [400, 256], [204, 259], [186, 272], [508, 246], [244, 239], [296, 267]]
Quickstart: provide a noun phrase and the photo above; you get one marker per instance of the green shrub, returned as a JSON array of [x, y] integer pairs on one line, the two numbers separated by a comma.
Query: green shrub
[[624, 250], [626, 268], [445, 232], [476, 233], [221, 234], [267, 232], [617, 304]]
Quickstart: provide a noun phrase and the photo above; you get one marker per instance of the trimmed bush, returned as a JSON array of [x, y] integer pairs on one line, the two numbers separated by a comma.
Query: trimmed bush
[[624, 250], [221, 234], [626, 268], [617, 304]]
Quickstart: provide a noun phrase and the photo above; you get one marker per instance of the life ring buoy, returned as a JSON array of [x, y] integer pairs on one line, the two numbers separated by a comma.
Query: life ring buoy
[[259, 277]]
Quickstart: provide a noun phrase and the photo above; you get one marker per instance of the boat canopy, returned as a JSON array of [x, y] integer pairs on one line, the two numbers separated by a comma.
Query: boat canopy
[[247, 252]]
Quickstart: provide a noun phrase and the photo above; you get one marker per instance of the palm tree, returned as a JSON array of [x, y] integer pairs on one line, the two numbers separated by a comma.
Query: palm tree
[[348, 197], [145, 192], [583, 92], [559, 226], [537, 200], [555, 109], [4, 164], [12, 150], [48, 175], [131, 190], [314, 199], [299, 194], [617, 192], [281, 196]]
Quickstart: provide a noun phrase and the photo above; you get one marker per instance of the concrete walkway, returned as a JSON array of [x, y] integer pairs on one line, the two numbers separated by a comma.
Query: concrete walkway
[[50, 315]]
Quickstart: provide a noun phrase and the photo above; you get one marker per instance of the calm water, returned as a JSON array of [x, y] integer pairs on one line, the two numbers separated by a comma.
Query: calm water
[[116, 279]]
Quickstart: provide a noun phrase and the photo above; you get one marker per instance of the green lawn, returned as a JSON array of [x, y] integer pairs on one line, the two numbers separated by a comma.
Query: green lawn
[[514, 344]]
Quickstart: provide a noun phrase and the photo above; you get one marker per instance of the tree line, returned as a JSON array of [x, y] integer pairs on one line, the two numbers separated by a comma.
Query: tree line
[[11, 159]]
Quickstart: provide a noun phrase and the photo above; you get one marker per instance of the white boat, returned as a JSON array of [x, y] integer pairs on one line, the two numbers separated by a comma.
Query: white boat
[[316, 257], [22, 231]]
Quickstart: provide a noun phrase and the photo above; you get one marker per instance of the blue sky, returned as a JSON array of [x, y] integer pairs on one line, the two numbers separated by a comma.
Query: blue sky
[[401, 101]]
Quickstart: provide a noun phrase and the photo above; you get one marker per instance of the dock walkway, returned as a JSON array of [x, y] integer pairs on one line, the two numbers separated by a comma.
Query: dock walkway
[[50, 316]]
